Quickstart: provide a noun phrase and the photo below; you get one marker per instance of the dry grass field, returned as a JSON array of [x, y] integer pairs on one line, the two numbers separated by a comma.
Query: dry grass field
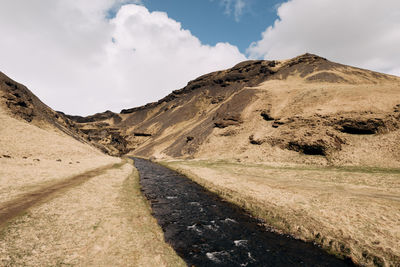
[[350, 211], [105, 221], [64, 203]]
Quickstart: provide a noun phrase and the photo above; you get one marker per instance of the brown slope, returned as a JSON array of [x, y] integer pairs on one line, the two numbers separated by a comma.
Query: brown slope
[[99, 129], [37, 145], [220, 85], [22, 104], [306, 109]]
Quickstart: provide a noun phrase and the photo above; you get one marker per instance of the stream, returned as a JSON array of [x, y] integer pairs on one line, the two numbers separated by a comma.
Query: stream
[[205, 230]]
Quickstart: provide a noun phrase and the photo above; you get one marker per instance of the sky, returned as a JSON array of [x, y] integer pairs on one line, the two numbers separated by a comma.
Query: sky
[[87, 56]]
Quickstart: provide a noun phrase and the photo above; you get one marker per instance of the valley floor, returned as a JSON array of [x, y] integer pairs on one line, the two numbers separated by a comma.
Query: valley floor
[[350, 211], [104, 221], [64, 203]]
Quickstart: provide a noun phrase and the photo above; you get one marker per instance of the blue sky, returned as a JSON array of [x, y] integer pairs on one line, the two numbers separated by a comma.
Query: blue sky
[[211, 23]]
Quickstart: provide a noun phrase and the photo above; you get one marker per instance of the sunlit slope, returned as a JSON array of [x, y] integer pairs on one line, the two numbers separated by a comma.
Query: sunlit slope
[[306, 109], [36, 145]]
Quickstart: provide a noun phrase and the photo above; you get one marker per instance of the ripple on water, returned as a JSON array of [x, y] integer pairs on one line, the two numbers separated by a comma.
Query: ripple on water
[[212, 227], [206, 231], [218, 256], [240, 243], [195, 228], [229, 220]]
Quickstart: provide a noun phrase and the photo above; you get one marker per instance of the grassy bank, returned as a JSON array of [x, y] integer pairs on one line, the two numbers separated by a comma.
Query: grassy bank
[[150, 248], [105, 221], [350, 211]]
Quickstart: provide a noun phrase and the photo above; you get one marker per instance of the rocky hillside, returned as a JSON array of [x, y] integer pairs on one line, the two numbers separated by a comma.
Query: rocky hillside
[[37, 146], [303, 110], [22, 104]]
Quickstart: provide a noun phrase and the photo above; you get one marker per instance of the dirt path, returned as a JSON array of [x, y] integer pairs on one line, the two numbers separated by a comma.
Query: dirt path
[[13, 208], [99, 218]]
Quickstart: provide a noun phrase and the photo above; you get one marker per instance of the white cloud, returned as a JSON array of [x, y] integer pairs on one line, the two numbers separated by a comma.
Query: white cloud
[[79, 62], [235, 7], [364, 33], [239, 6]]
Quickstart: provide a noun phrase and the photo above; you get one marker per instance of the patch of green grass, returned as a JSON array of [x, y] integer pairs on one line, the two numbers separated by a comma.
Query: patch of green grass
[[96, 225], [344, 169]]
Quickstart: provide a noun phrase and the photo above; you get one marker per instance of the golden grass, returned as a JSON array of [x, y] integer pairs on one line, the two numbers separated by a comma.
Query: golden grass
[[31, 157], [72, 205], [151, 249], [349, 211], [103, 222]]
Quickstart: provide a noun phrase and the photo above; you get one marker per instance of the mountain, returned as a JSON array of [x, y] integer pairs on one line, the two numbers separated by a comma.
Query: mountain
[[306, 110], [19, 102], [38, 146], [21, 109], [303, 110], [22, 104]]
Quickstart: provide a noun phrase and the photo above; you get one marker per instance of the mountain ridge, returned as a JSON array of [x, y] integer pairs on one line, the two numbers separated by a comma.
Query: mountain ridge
[[254, 133], [212, 109], [302, 110]]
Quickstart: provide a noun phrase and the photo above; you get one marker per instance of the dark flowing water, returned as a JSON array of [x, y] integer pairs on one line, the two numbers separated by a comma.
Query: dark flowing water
[[206, 231]]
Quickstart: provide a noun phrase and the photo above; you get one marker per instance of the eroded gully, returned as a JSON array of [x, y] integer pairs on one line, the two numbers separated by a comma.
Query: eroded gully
[[206, 231]]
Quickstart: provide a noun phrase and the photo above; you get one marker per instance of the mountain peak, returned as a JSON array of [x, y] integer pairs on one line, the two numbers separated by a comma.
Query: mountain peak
[[308, 56], [306, 104], [250, 73]]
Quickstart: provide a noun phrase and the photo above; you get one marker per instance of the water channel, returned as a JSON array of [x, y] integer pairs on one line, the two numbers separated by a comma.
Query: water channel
[[206, 231]]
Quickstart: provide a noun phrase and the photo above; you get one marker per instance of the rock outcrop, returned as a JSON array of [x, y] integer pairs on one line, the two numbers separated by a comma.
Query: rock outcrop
[[306, 109]]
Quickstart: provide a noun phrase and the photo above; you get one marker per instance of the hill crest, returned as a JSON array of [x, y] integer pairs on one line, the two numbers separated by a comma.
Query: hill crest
[[310, 67], [302, 110]]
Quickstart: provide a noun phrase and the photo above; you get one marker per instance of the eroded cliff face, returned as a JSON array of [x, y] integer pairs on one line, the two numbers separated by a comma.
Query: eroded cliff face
[[132, 128], [303, 110], [22, 104]]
